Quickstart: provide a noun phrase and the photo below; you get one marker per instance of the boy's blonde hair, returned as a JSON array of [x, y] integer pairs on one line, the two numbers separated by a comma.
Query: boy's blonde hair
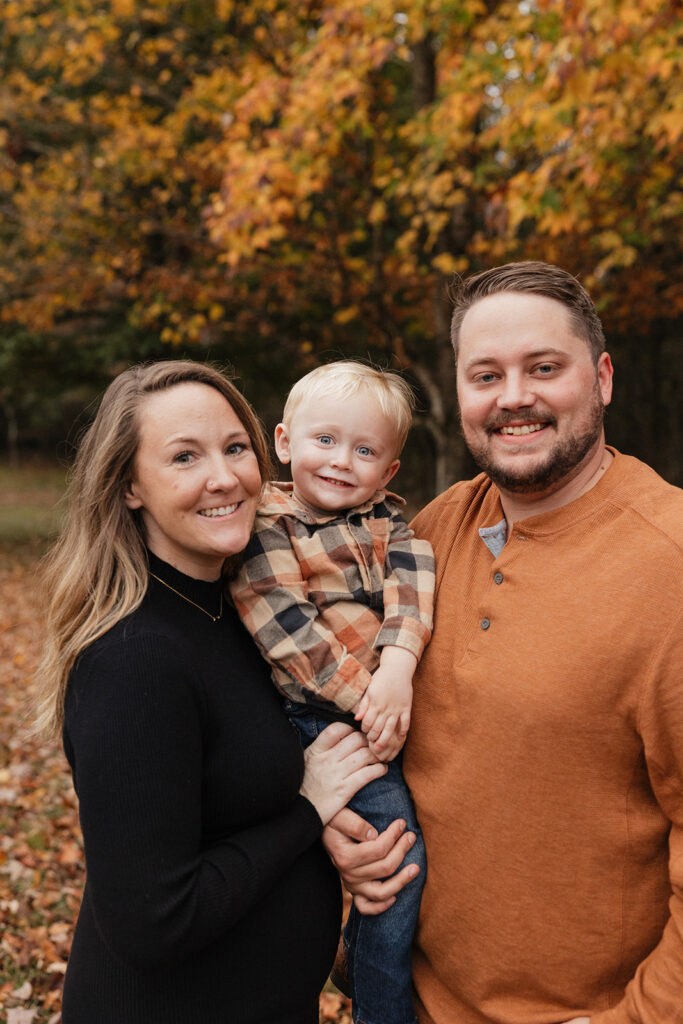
[[346, 379]]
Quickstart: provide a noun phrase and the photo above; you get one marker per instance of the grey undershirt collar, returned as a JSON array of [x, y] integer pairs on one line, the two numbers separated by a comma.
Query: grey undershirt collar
[[495, 537]]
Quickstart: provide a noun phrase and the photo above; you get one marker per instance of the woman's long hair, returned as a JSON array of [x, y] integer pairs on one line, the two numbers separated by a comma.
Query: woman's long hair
[[96, 573]]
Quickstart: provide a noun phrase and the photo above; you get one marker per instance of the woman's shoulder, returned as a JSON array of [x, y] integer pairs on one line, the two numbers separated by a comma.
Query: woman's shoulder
[[166, 651], [136, 645]]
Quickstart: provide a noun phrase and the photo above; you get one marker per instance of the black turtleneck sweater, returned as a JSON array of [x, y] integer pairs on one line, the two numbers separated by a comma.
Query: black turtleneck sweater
[[208, 895]]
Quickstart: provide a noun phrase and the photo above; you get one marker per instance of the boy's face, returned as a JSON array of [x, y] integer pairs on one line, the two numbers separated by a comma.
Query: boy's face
[[341, 451]]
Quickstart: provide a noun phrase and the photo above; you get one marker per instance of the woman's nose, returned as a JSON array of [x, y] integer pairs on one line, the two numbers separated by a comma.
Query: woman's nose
[[220, 476]]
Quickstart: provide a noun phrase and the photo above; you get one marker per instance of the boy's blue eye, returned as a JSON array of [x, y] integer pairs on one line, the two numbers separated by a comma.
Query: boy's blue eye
[[364, 450], [325, 439]]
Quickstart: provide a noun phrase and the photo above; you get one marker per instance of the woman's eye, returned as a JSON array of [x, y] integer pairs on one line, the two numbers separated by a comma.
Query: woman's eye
[[183, 458], [325, 439], [236, 448]]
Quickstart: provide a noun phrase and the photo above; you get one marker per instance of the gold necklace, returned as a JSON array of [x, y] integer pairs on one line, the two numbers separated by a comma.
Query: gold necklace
[[214, 618]]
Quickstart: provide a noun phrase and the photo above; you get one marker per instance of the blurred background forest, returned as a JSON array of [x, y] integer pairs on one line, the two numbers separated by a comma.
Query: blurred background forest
[[275, 184]]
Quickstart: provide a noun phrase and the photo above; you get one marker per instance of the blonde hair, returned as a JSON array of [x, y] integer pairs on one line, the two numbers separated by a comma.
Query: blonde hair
[[96, 573], [346, 379]]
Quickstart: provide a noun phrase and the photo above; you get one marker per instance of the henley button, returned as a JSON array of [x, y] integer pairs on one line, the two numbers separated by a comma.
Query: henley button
[[485, 623], [498, 578]]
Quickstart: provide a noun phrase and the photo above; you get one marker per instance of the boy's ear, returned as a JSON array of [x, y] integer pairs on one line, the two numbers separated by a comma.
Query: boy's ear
[[391, 471], [282, 444]]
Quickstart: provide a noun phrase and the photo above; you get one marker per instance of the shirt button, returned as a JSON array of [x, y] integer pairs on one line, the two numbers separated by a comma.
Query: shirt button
[[485, 623], [498, 578]]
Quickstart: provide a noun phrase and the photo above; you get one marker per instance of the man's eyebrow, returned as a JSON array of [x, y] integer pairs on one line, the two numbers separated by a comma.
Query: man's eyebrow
[[535, 354]]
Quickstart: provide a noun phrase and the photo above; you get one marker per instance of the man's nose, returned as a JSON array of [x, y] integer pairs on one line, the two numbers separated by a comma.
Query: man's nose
[[515, 392]]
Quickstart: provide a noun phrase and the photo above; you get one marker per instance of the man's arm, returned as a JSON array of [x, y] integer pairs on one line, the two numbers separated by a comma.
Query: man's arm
[[655, 993]]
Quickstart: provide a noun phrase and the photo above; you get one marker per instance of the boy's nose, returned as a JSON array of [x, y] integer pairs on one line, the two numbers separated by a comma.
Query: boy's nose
[[341, 457]]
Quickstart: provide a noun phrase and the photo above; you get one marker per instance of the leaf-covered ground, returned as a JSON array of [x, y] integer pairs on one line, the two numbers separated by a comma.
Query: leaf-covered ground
[[41, 861]]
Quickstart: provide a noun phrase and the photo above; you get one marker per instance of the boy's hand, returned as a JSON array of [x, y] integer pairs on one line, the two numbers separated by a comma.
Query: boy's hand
[[384, 710]]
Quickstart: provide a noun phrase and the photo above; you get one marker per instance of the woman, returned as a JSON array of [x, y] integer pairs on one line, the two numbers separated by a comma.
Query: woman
[[208, 896]]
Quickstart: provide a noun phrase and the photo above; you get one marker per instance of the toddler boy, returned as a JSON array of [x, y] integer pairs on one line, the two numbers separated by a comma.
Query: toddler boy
[[338, 595]]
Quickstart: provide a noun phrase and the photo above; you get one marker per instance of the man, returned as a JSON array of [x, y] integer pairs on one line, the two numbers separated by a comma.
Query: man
[[546, 751]]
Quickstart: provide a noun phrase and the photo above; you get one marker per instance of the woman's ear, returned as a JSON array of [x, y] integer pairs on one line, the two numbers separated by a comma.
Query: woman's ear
[[282, 447], [130, 497]]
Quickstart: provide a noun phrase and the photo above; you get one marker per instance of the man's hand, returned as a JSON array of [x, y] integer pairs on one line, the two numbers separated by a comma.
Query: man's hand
[[367, 865], [384, 709]]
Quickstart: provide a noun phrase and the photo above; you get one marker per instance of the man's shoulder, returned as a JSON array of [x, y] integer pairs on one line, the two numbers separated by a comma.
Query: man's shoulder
[[654, 502], [464, 501]]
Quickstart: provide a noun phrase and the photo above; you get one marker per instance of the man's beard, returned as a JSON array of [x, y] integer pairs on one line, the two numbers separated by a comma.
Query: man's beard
[[563, 457]]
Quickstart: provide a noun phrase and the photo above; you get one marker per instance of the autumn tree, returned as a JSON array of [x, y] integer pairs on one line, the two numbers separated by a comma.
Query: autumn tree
[[283, 183], [389, 145]]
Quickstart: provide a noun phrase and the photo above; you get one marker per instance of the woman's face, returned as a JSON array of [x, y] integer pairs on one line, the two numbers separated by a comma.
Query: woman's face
[[195, 479]]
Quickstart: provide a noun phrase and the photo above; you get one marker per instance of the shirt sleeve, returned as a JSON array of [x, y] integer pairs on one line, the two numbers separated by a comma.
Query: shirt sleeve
[[655, 994], [271, 596], [160, 890], [408, 590]]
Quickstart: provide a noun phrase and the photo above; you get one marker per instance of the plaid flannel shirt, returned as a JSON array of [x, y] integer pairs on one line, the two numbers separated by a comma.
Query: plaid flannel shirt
[[321, 595]]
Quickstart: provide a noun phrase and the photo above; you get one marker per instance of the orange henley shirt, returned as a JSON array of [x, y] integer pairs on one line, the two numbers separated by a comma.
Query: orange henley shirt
[[546, 759]]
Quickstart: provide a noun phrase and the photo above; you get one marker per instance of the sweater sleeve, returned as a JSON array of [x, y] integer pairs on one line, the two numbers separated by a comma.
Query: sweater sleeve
[[408, 590], [160, 891], [271, 596], [655, 994]]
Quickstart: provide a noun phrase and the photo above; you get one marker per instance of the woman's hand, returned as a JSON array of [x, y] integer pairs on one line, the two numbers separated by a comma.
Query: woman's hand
[[367, 862], [338, 764]]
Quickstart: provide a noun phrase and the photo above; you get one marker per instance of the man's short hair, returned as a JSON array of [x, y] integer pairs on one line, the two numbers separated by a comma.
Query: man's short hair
[[348, 378], [535, 278]]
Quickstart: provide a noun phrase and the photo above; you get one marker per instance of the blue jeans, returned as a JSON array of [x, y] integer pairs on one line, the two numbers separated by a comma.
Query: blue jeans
[[379, 948]]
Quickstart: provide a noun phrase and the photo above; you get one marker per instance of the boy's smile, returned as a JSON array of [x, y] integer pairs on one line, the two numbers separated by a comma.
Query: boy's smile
[[341, 451]]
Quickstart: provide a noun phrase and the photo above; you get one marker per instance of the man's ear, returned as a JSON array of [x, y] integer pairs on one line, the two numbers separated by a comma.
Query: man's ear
[[605, 374], [282, 448], [130, 497], [391, 471]]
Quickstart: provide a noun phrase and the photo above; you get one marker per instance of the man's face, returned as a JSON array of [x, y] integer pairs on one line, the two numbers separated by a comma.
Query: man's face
[[531, 399]]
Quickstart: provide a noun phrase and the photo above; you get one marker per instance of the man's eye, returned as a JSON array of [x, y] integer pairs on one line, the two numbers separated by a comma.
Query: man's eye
[[485, 378], [545, 368]]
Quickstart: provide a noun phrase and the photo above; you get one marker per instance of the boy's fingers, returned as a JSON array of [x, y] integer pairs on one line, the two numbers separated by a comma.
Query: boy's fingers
[[362, 708], [382, 731]]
